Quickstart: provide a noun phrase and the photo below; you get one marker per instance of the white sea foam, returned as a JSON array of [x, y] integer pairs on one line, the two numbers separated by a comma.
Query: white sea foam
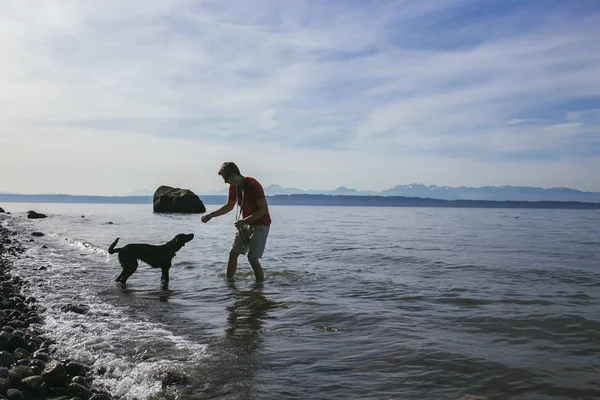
[[135, 353], [84, 245]]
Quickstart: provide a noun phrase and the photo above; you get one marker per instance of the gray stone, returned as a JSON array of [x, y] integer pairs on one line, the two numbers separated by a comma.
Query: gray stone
[[55, 374], [54, 392], [32, 383], [80, 380], [4, 336], [20, 354], [18, 373], [76, 308], [6, 359], [14, 394], [175, 200], [100, 396], [35, 215], [4, 385], [76, 389], [17, 341], [75, 369]]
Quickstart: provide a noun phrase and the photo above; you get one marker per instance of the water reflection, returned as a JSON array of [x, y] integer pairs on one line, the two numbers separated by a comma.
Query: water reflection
[[238, 356], [244, 342], [164, 295], [246, 316]]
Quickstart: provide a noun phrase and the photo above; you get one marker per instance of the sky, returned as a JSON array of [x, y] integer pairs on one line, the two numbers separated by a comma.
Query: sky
[[109, 97]]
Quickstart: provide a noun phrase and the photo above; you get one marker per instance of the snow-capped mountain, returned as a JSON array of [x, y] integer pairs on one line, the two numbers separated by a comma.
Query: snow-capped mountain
[[506, 193]]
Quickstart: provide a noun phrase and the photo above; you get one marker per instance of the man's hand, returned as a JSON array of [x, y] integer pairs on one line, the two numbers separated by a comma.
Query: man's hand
[[240, 224], [206, 218]]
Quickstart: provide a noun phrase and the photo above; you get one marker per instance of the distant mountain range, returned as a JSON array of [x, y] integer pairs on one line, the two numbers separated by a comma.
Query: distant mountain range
[[497, 193], [492, 193]]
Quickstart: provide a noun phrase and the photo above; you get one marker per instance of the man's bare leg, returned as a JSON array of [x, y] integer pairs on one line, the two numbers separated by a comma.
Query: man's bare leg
[[258, 272], [232, 264]]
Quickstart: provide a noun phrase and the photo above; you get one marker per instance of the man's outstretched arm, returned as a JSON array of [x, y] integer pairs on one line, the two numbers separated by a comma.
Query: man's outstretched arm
[[221, 211]]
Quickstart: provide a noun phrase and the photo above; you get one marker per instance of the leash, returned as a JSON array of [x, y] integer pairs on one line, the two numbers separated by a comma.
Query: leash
[[238, 211]]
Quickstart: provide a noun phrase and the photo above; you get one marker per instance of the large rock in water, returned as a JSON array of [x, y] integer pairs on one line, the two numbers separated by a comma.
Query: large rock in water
[[35, 215], [175, 200]]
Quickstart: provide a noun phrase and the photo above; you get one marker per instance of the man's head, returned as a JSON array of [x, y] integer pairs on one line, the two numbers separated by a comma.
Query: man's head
[[228, 169]]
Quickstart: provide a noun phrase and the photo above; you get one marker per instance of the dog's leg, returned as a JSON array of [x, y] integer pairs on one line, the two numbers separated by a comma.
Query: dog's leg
[[129, 265], [164, 279], [129, 271], [165, 273], [123, 262]]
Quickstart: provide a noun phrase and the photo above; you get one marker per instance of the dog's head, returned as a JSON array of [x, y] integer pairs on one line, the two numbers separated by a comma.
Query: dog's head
[[180, 240], [183, 238]]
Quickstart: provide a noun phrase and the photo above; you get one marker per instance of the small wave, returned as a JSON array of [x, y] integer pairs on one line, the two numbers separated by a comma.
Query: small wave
[[187, 265], [85, 245], [564, 330], [463, 301], [536, 302], [467, 267], [135, 354], [140, 357], [338, 249]]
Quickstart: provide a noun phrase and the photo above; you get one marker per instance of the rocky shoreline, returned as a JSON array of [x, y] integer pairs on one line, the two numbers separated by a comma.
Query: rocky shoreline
[[28, 369]]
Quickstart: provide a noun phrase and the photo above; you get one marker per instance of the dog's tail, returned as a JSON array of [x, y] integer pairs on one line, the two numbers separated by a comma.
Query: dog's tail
[[111, 248]]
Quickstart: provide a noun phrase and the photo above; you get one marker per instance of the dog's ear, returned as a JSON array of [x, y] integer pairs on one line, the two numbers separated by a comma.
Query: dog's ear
[[180, 239]]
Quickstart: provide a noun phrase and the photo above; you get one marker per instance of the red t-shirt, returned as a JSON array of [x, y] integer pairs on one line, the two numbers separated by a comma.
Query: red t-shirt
[[251, 193]]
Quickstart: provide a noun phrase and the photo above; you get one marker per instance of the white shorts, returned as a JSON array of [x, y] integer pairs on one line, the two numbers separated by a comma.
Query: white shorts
[[251, 239]]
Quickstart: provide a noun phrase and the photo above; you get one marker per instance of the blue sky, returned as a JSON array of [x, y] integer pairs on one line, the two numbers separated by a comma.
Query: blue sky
[[106, 97]]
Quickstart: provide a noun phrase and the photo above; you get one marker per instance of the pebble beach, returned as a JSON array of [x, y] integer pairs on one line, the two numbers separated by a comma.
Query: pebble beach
[[29, 368]]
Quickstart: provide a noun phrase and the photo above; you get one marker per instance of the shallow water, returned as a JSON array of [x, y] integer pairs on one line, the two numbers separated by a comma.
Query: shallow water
[[381, 303]]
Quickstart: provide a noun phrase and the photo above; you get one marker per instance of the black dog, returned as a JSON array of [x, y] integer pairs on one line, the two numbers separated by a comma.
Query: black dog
[[155, 256]]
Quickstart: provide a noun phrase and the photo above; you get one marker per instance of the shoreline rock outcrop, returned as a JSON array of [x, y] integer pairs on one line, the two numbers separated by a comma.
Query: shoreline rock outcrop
[[35, 215], [168, 199], [27, 367]]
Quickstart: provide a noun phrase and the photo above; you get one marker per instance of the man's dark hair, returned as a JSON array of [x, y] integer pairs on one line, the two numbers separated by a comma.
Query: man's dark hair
[[229, 168]]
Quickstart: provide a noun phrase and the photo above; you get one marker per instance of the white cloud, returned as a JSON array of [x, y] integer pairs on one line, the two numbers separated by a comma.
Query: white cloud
[[588, 117], [105, 97]]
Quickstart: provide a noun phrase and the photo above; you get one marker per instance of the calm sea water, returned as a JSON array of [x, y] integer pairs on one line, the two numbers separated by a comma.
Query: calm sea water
[[358, 303]]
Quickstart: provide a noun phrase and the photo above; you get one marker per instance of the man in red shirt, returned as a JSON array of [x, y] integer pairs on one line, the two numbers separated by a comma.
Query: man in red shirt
[[253, 226]]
